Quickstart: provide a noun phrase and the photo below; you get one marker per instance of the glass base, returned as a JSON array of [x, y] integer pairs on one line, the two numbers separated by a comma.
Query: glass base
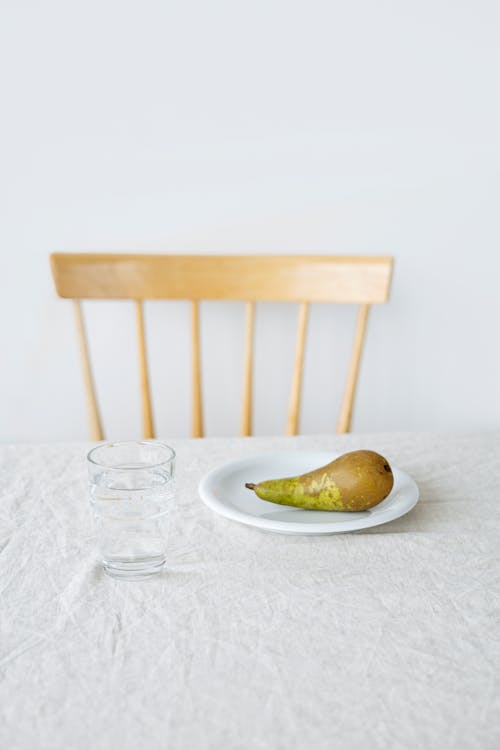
[[134, 568]]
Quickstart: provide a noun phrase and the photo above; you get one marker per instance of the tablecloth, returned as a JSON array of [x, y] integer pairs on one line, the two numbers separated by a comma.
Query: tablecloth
[[386, 638]]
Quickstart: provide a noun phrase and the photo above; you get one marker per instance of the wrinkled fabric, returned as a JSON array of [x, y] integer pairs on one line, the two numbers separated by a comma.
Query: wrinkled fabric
[[385, 638]]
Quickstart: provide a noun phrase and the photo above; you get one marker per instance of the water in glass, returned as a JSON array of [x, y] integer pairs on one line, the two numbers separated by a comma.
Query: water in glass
[[131, 504]]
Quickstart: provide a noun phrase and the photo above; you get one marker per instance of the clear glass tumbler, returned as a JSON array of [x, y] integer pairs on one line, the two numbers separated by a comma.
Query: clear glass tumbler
[[132, 494]]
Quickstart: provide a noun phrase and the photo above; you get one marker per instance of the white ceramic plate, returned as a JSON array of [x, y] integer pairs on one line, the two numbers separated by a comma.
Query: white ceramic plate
[[223, 490]]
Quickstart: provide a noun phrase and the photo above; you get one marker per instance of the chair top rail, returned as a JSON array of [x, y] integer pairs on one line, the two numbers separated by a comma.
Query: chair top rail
[[280, 278]]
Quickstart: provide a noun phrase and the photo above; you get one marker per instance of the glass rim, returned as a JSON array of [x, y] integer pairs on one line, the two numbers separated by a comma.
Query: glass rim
[[118, 443]]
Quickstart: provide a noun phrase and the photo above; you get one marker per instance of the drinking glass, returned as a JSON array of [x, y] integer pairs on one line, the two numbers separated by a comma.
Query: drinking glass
[[131, 495]]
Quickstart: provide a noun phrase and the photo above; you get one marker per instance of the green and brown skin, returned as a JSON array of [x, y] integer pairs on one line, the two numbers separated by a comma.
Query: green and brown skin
[[355, 481]]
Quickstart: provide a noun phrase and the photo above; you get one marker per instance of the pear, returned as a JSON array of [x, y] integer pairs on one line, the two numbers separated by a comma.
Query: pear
[[354, 481]]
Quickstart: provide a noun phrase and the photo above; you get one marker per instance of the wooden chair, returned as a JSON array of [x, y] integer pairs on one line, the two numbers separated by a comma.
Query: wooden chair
[[249, 278]]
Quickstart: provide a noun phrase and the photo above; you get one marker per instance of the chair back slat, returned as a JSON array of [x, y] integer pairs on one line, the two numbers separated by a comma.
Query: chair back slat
[[345, 416], [94, 417], [197, 413], [246, 409], [298, 368], [147, 411], [274, 278]]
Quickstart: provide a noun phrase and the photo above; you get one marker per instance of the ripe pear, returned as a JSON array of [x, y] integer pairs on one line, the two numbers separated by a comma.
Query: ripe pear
[[354, 481]]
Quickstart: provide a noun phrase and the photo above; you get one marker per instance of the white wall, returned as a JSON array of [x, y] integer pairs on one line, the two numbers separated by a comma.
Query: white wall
[[321, 127]]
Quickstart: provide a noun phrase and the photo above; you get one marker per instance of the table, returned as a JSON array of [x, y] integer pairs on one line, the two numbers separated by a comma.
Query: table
[[387, 638]]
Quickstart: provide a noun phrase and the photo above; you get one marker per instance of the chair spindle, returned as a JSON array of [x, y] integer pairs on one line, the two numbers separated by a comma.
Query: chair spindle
[[94, 417], [345, 416], [295, 392], [197, 416], [147, 412], [246, 411]]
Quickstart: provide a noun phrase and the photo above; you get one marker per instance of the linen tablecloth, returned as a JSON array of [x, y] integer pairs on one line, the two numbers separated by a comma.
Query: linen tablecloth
[[386, 638]]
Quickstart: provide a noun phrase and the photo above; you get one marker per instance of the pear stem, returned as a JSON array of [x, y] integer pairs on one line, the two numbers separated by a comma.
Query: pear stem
[[250, 486]]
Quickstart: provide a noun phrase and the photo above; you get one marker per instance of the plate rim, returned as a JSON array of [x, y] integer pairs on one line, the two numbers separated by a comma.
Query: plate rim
[[322, 527]]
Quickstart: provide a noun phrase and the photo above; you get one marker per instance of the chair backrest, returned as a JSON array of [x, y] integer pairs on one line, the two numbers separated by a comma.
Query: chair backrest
[[363, 280]]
